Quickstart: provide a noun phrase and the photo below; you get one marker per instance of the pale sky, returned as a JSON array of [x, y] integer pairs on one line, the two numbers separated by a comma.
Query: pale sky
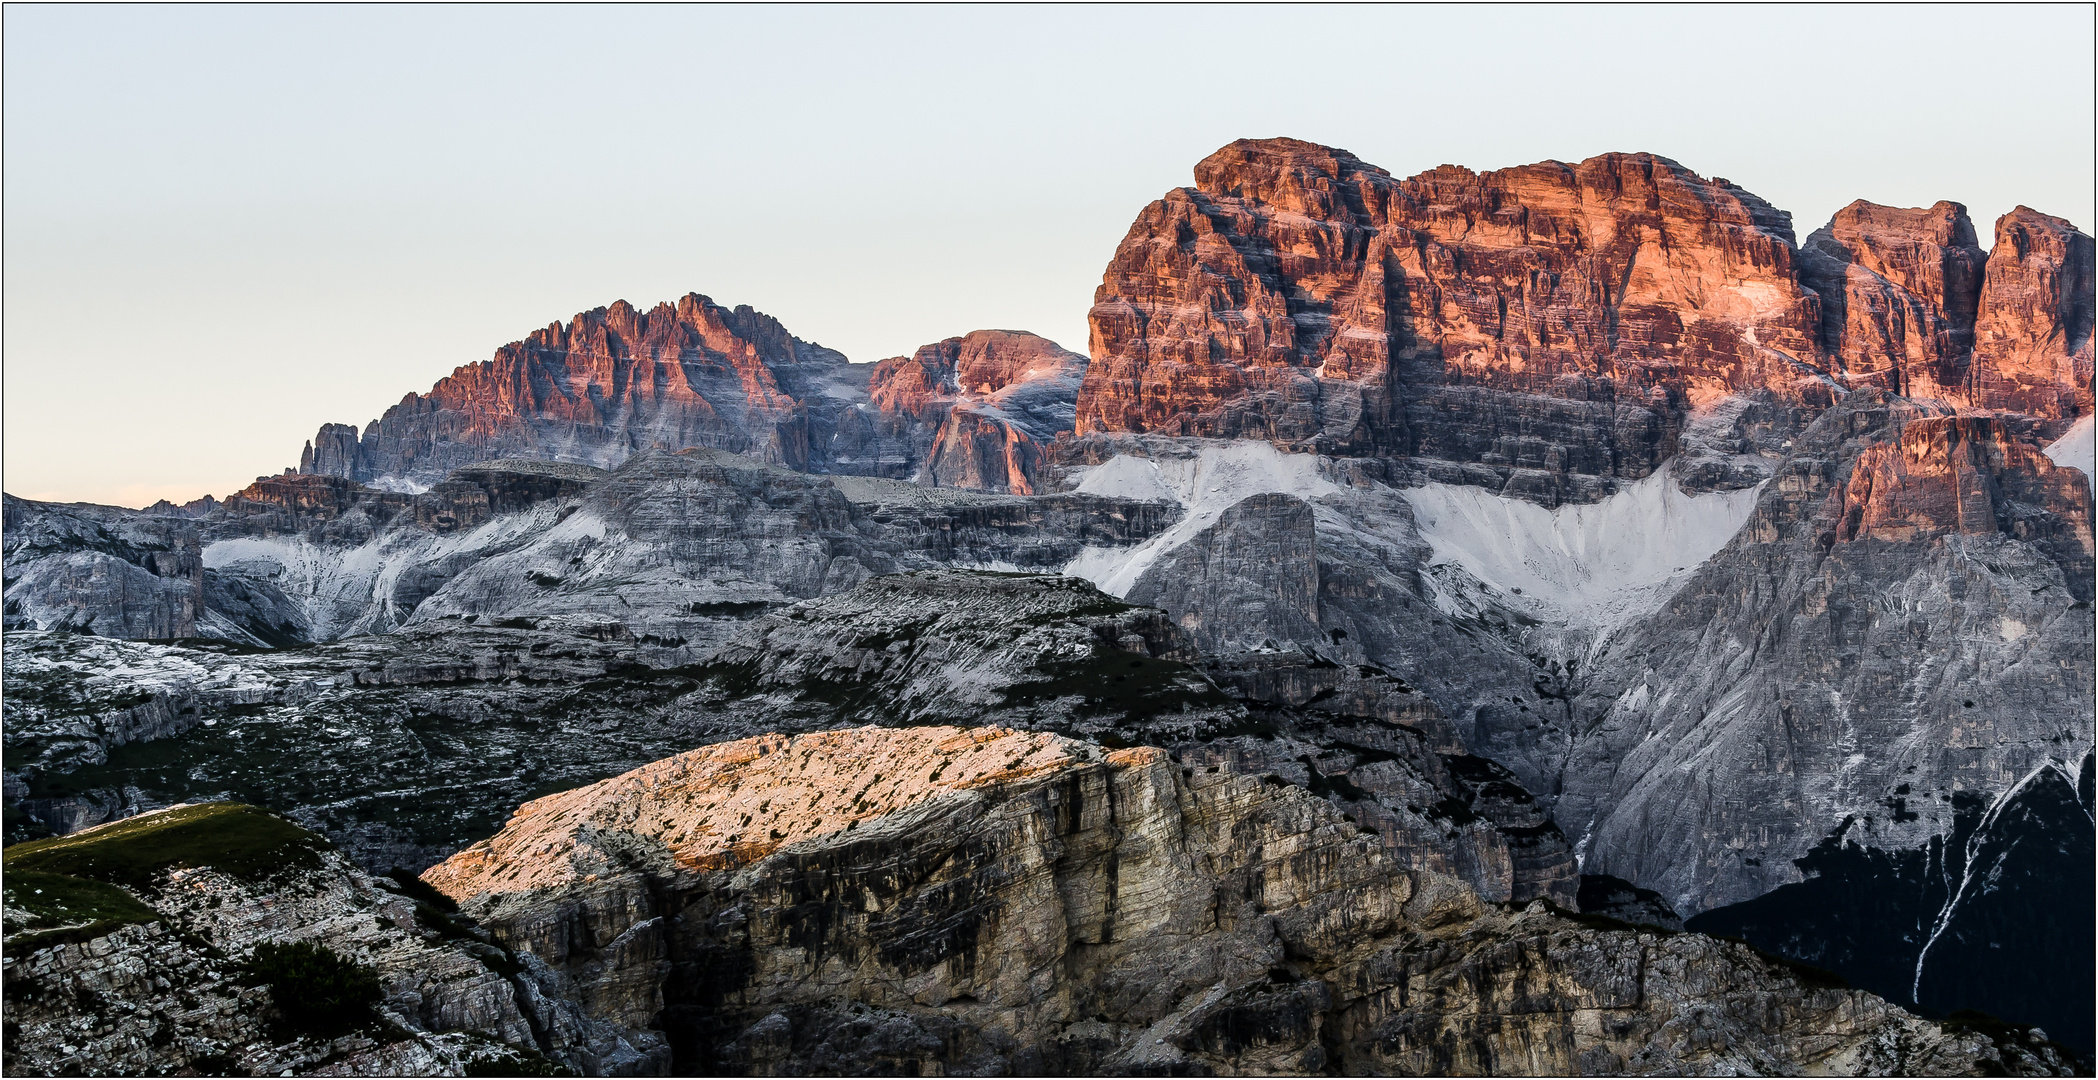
[[226, 226]]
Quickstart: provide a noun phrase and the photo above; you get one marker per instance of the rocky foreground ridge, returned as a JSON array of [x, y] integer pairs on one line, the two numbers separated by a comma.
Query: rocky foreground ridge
[[986, 900], [132, 949]]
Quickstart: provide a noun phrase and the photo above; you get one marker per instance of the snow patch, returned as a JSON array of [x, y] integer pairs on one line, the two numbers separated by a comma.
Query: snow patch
[[1593, 565], [397, 485], [2076, 448], [1207, 484], [1126, 477]]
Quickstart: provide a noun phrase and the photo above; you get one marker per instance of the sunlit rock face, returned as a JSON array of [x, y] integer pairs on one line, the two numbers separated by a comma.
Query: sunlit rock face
[[1553, 327], [1899, 291], [2032, 334], [987, 900], [1912, 304], [974, 411], [610, 381], [1555, 317]]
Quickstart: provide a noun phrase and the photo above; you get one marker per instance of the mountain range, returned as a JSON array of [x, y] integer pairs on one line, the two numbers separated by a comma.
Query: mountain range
[[1438, 590]]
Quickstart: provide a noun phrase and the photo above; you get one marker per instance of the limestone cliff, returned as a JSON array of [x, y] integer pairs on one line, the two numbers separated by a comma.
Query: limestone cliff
[[2032, 333], [987, 900], [1911, 304], [1899, 291], [1550, 317], [1554, 328], [610, 381]]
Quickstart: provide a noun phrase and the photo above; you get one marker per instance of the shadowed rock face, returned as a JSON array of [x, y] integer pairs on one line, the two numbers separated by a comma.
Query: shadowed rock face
[[97, 569], [989, 900], [1993, 916], [977, 411], [1907, 614]]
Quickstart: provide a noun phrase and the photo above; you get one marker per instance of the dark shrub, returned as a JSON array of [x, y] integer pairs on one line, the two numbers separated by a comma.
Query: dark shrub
[[317, 990]]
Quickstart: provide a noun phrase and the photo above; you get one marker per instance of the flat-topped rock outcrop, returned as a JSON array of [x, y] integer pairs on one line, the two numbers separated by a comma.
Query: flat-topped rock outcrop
[[992, 901]]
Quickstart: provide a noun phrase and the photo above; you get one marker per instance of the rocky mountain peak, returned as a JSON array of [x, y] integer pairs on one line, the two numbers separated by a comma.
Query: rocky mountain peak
[[2032, 333], [1299, 296], [1289, 174], [1899, 289], [980, 364]]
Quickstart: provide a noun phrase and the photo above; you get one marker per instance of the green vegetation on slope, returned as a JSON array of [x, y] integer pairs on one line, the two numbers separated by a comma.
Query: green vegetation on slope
[[46, 909], [246, 842]]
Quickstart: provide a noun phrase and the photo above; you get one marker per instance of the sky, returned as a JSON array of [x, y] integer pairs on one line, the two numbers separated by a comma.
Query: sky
[[226, 226]]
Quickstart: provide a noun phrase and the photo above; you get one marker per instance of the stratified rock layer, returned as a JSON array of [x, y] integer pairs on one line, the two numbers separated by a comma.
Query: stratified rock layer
[[611, 381], [1551, 327], [1556, 317], [871, 901]]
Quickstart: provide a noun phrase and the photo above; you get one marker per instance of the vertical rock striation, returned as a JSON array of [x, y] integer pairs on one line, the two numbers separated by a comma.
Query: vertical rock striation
[[982, 900], [2032, 334], [611, 381], [1552, 317]]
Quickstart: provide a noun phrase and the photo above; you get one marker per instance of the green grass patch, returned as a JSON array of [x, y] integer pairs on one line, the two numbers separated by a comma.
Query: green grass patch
[[56, 908], [56, 899], [246, 842]]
